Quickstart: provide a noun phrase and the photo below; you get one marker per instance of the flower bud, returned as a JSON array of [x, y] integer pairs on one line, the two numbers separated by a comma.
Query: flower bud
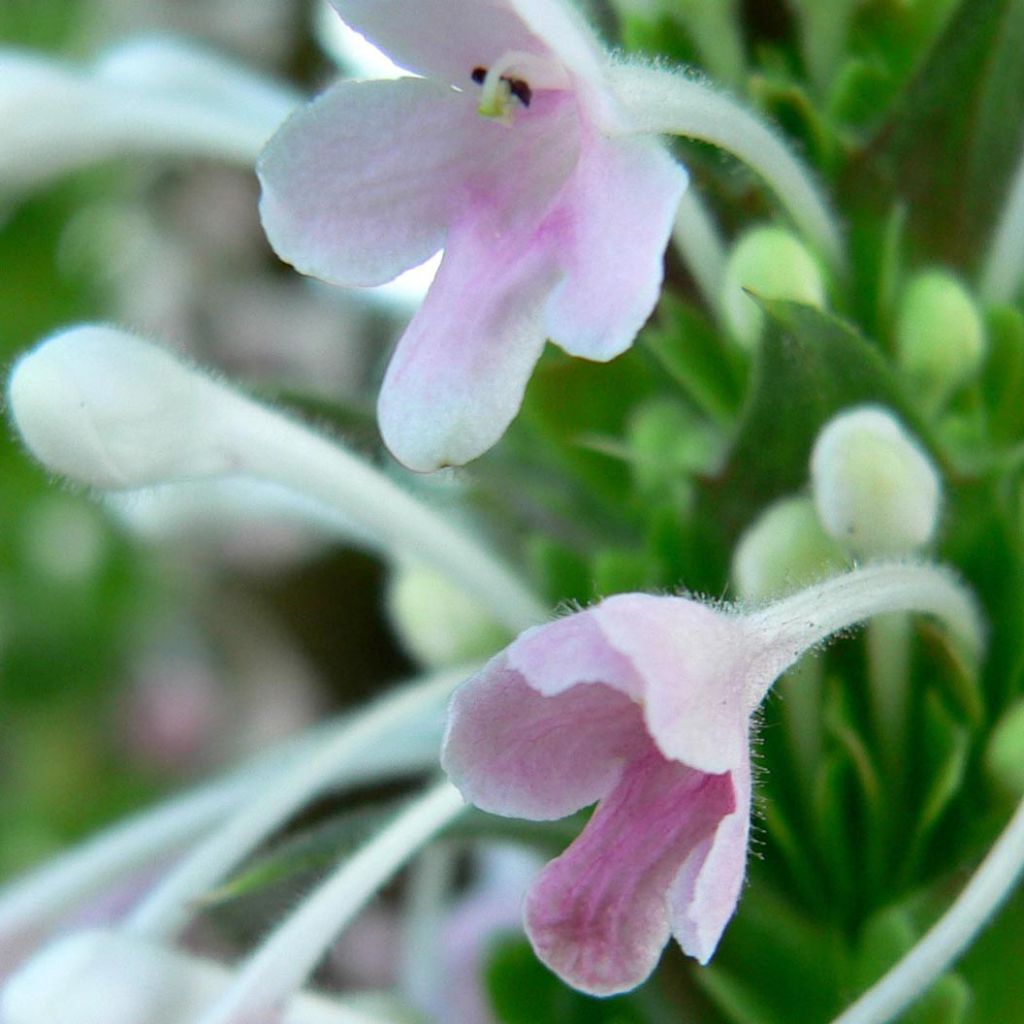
[[875, 489], [783, 550], [437, 623], [774, 264], [104, 409], [1004, 756], [940, 337]]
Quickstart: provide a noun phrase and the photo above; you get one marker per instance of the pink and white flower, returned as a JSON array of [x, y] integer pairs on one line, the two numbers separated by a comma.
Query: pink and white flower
[[514, 156], [643, 705]]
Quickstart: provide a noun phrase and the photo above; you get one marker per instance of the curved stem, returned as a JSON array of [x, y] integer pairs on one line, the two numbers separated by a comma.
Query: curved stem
[[167, 909], [788, 628], [270, 445], [991, 884], [1002, 275], [288, 957], [669, 103]]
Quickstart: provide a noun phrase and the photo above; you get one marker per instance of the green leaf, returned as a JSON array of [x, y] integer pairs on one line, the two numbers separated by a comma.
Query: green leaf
[[524, 991], [956, 138], [811, 365], [1003, 377], [694, 355]]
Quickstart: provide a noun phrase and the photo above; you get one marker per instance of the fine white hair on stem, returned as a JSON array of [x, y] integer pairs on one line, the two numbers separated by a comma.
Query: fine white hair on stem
[[109, 410], [149, 96], [670, 103], [168, 908], [789, 627], [283, 963], [36, 900], [1002, 273], [987, 890]]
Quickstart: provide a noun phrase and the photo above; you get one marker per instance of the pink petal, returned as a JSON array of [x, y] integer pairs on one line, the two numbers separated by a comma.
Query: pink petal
[[447, 39], [704, 894], [692, 660], [598, 915], [357, 185], [615, 221], [556, 656], [458, 375], [513, 752], [363, 182]]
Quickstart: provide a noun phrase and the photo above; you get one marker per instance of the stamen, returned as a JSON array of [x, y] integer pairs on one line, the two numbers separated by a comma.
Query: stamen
[[500, 84]]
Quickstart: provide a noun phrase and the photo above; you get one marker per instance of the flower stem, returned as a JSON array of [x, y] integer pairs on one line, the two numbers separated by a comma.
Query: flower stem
[[286, 959], [990, 886], [1002, 274], [169, 906], [274, 447], [790, 627], [669, 103]]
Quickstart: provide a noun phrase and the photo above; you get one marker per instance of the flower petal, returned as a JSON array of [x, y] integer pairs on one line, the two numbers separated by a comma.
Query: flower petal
[[458, 375], [692, 660], [357, 186], [514, 752], [447, 39], [598, 915], [615, 221], [704, 894], [558, 655]]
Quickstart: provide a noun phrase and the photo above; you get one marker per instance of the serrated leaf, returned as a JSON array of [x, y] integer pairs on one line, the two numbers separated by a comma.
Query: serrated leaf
[[810, 366]]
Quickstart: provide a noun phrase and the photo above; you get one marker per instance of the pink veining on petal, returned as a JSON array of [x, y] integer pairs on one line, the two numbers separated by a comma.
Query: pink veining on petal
[[514, 752], [598, 914], [704, 894]]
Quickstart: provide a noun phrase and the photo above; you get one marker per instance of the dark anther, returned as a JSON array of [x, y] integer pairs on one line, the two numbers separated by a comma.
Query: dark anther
[[520, 89]]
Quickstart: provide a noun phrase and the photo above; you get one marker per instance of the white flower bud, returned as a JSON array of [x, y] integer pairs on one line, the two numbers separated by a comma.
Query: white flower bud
[[783, 550], [940, 337], [104, 409], [875, 489], [437, 623], [774, 264]]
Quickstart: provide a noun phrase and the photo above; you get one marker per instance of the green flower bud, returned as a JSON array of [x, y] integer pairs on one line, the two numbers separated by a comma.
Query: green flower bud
[[875, 489], [774, 264], [784, 550], [437, 623], [1004, 755], [940, 336]]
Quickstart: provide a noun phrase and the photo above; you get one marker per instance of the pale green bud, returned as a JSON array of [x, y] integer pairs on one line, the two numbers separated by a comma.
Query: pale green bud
[[785, 549], [437, 623], [774, 264], [1004, 755], [875, 489], [940, 336]]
